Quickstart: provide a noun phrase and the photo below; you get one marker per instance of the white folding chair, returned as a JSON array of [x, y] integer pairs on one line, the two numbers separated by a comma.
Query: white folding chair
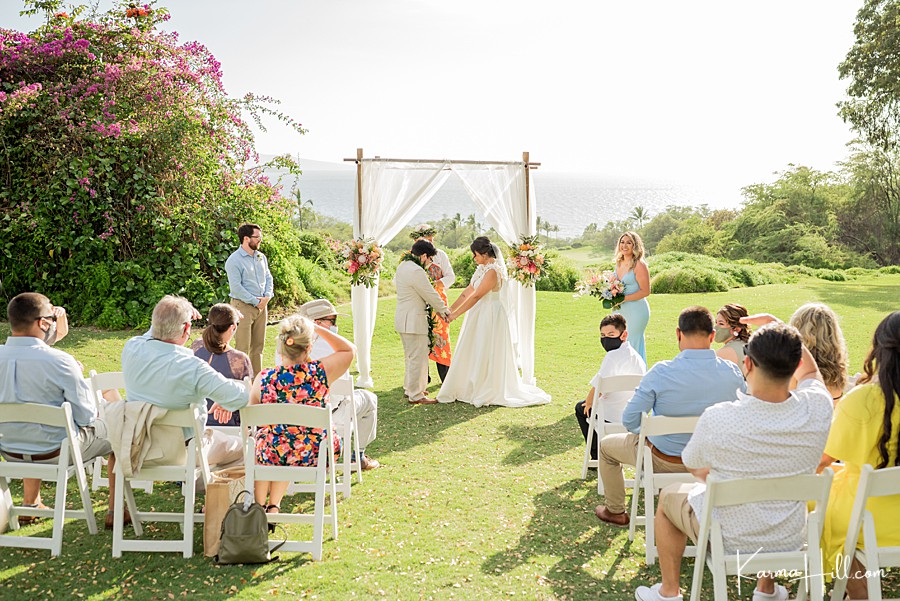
[[597, 421], [60, 417], [317, 478], [808, 560], [343, 388], [872, 483], [651, 483], [193, 467], [98, 383]]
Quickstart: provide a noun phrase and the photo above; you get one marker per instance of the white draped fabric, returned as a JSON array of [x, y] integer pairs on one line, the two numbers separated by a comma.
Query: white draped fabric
[[393, 192]]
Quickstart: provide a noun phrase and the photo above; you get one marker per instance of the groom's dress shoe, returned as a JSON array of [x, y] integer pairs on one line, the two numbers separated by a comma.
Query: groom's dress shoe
[[423, 401]]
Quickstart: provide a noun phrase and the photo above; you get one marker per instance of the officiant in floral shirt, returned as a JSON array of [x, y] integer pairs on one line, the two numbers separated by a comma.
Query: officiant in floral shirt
[[440, 272]]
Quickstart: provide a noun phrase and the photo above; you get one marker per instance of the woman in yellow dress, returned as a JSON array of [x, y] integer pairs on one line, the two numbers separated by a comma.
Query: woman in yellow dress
[[865, 430]]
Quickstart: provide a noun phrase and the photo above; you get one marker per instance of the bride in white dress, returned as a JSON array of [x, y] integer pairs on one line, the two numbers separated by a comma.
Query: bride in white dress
[[483, 370]]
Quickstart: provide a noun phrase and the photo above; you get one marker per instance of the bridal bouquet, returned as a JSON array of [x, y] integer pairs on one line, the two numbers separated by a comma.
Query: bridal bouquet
[[527, 262], [605, 285], [362, 259]]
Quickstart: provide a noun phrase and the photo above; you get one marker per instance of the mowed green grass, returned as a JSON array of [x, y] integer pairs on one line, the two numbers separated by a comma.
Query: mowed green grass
[[470, 504]]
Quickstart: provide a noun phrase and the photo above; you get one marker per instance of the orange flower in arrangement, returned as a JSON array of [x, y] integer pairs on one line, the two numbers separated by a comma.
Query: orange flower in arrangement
[[62, 15]]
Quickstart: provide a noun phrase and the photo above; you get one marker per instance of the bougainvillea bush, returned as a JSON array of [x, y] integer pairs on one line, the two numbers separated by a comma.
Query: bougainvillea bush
[[123, 168]]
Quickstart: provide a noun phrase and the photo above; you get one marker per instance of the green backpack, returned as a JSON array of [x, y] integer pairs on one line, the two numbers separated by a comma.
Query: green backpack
[[245, 534]]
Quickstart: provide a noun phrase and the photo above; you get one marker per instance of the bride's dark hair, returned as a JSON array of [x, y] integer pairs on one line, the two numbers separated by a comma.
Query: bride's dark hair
[[482, 245]]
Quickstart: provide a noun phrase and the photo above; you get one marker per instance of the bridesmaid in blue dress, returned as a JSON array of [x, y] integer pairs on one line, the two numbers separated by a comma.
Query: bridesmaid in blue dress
[[632, 270]]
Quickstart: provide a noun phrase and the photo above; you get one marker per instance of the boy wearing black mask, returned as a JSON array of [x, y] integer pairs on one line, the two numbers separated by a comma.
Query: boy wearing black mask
[[621, 360]]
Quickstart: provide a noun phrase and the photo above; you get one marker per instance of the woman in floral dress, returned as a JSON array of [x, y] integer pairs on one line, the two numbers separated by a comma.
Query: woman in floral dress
[[299, 381]]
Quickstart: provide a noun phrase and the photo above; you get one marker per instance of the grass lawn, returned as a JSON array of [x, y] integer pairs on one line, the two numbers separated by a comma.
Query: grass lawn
[[470, 504], [586, 257]]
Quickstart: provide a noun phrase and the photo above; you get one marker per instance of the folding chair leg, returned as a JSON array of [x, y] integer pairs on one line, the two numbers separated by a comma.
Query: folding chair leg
[[587, 455], [133, 510], [188, 522], [59, 510], [358, 454], [6, 500], [650, 526], [119, 514], [85, 492], [720, 585], [318, 521], [333, 492]]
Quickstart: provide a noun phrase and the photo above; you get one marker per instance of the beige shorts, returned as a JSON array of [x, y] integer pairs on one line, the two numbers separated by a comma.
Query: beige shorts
[[673, 500]]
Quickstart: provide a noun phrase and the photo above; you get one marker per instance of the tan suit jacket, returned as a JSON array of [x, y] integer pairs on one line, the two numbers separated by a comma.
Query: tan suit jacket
[[414, 291]]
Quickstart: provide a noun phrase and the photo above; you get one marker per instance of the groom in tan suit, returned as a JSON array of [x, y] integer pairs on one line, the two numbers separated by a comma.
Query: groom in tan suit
[[414, 291]]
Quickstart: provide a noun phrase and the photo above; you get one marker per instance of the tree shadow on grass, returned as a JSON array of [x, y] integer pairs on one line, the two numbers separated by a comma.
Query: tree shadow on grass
[[881, 297], [403, 426], [593, 560], [86, 568], [538, 442]]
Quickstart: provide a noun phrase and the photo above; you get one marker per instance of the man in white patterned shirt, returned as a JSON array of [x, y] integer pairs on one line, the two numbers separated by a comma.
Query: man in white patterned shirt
[[775, 432]]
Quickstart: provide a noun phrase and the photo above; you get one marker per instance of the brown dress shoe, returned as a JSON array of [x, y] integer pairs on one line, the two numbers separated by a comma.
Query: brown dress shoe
[[616, 519], [108, 523], [369, 464], [26, 520], [423, 401]]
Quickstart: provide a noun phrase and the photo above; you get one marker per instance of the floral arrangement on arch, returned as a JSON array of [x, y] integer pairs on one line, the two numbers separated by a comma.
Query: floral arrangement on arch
[[527, 262], [605, 285], [363, 259]]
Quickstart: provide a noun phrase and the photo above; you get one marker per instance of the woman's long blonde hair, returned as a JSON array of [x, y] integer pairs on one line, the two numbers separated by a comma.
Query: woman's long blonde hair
[[637, 252], [822, 335]]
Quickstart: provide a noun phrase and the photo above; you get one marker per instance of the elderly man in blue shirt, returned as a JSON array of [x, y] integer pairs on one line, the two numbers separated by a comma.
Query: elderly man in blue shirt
[[694, 380], [250, 288], [33, 372]]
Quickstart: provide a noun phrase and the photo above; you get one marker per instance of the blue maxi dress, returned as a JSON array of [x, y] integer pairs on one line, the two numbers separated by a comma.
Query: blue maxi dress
[[636, 314]]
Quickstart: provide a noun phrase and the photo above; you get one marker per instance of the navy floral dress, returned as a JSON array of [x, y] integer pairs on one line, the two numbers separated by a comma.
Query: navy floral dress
[[304, 384]]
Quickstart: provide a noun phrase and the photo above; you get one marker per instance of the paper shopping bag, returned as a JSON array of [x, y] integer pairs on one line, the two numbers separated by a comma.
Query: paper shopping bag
[[220, 493]]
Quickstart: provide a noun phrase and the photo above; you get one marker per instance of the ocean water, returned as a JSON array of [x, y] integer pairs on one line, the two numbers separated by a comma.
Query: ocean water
[[571, 201]]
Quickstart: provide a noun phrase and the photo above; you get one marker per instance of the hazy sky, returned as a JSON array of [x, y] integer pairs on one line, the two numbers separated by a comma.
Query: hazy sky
[[688, 90]]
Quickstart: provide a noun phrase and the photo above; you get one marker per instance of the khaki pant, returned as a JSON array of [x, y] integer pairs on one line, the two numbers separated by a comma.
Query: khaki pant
[[621, 449], [415, 351], [673, 502], [250, 336]]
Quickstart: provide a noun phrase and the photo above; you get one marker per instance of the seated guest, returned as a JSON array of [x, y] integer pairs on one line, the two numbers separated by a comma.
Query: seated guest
[[32, 372], [214, 348], [323, 314], [822, 335], [865, 429], [621, 360], [694, 380], [161, 371], [732, 333], [775, 432], [303, 381]]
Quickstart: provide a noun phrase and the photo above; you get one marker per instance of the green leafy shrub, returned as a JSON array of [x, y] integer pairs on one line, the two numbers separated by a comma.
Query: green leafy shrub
[[120, 185], [560, 276], [680, 280]]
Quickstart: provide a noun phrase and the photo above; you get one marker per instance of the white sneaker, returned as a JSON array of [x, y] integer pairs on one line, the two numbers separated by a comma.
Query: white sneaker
[[644, 593], [780, 594]]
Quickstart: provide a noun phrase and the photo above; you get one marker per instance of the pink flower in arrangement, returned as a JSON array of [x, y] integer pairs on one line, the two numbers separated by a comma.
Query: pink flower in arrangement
[[353, 267], [532, 269], [523, 261], [362, 259], [539, 259]]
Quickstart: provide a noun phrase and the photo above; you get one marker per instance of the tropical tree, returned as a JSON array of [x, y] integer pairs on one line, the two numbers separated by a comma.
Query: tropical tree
[[872, 66], [639, 216]]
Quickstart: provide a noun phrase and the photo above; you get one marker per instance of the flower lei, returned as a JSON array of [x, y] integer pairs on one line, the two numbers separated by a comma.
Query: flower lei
[[363, 259], [527, 262], [422, 232], [429, 312]]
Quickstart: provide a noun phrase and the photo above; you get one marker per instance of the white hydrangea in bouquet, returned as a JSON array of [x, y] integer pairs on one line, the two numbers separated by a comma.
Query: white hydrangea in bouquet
[[527, 262], [362, 260], [605, 285]]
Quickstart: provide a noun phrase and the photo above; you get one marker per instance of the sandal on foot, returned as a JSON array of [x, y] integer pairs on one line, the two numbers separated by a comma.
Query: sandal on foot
[[277, 509]]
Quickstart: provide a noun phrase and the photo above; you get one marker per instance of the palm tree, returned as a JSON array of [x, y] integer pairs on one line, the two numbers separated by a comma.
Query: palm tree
[[639, 216], [541, 224], [302, 206]]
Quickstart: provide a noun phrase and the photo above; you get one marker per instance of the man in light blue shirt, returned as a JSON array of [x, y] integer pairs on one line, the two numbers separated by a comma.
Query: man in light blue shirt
[[160, 370], [251, 288], [694, 380], [33, 372]]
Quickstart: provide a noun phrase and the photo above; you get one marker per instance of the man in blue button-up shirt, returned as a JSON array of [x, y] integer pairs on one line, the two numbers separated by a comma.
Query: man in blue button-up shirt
[[694, 380], [33, 372], [251, 288]]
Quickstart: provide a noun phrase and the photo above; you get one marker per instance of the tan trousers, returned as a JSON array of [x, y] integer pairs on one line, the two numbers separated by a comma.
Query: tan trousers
[[415, 351], [621, 449], [250, 336]]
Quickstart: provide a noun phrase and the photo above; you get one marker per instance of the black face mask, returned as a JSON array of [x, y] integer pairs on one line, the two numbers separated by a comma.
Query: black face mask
[[610, 344]]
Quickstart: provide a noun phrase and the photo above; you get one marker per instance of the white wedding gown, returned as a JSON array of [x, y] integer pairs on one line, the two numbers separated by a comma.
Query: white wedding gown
[[483, 370]]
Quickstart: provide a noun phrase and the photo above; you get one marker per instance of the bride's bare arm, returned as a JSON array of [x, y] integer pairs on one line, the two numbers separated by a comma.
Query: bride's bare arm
[[488, 283], [462, 297]]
